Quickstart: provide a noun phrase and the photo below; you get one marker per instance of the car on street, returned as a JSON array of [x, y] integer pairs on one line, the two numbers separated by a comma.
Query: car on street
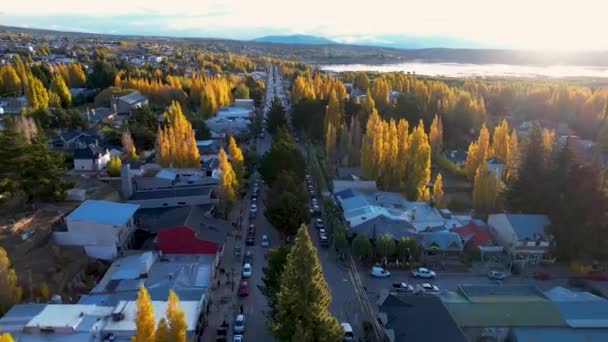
[[423, 272], [239, 324], [246, 271], [348, 332], [322, 232], [323, 241], [237, 338], [248, 257], [244, 289], [379, 272], [497, 275], [319, 223], [403, 288], [316, 209], [250, 241], [427, 288], [265, 241]]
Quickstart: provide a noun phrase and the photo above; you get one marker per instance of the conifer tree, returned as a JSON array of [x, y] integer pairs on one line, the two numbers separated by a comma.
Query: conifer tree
[[436, 135], [419, 165], [175, 319], [59, 87], [438, 191], [144, 317], [304, 298], [162, 331], [236, 159]]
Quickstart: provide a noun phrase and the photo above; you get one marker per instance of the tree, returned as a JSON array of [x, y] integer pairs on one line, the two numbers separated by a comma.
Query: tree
[[485, 190], [380, 92], [513, 158], [500, 142], [361, 246], [44, 292], [330, 142], [59, 87], [436, 135], [144, 317], [36, 94], [438, 191], [419, 164], [76, 76], [175, 142], [385, 246], [10, 292], [271, 278], [10, 83], [236, 159], [162, 331], [478, 152], [175, 319], [6, 337], [283, 155], [113, 166], [287, 205], [276, 116], [407, 249], [304, 297], [340, 240], [228, 183], [128, 147], [241, 91], [602, 137], [361, 81]]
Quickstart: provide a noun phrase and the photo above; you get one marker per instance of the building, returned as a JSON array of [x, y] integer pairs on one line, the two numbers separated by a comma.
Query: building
[[100, 115], [174, 197], [102, 228], [417, 318], [474, 234], [127, 103], [91, 158], [441, 242], [245, 103], [523, 236], [221, 126], [496, 166], [72, 140], [236, 112], [457, 157]]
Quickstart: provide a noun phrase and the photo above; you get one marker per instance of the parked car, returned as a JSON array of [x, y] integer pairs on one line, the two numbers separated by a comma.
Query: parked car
[[403, 288], [237, 338], [265, 241], [248, 257], [348, 332], [427, 288], [379, 272], [246, 271], [323, 241], [239, 324], [319, 224], [250, 241], [322, 232], [542, 275], [244, 289], [253, 208], [497, 275], [422, 272]]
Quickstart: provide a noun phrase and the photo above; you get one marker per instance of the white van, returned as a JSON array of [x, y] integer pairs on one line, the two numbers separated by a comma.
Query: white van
[[348, 332]]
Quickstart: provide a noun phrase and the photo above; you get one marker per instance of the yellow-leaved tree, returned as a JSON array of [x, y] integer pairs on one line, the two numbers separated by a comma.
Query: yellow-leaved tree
[[128, 147], [175, 141], [438, 191], [6, 337], [10, 292], [228, 183], [419, 165], [144, 317], [236, 159], [512, 160], [162, 331], [478, 152], [436, 134], [176, 320], [485, 190]]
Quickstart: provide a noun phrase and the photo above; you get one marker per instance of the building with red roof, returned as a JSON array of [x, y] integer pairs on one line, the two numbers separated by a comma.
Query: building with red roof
[[183, 240], [473, 235]]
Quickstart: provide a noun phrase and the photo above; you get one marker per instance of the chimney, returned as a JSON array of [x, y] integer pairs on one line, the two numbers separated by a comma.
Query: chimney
[[125, 178], [115, 108]]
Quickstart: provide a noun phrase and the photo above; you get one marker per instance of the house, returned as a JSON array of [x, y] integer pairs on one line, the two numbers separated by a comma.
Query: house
[[417, 318], [127, 103], [523, 236], [100, 115], [441, 242], [348, 173], [222, 126], [496, 166], [244, 103], [457, 157], [236, 112], [102, 228], [72, 140], [91, 158], [474, 235]]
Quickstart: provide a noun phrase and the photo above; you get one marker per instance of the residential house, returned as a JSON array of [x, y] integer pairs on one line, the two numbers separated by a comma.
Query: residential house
[[524, 236], [457, 157], [91, 158], [244, 103], [496, 166], [417, 318], [100, 115], [443, 243], [127, 103], [348, 173], [474, 235], [236, 112], [103, 228], [72, 139], [221, 127]]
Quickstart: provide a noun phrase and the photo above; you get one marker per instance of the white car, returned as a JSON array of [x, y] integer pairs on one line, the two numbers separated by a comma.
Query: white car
[[237, 338], [239, 324], [403, 288], [246, 270], [348, 332], [265, 242], [254, 208], [379, 272], [427, 288], [421, 272]]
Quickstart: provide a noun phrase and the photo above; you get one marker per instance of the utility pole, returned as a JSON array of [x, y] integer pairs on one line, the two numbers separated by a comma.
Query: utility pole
[[361, 296]]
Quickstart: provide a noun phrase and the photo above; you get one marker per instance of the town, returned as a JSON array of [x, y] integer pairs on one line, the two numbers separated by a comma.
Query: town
[[155, 191]]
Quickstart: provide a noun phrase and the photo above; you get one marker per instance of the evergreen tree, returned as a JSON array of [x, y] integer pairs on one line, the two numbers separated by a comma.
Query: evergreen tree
[[287, 206], [59, 87], [236, 159], [144, 317], [361, 246], [438, 191], [228, 183], [271, 279], [10, 292], [176, 320], [304, 297], [419, 164], [162, 331], [330, 142], [276, 116], [385, 246], [436, 135]]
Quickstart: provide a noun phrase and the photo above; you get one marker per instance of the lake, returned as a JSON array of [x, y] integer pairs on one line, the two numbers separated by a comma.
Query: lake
[[477, 70]]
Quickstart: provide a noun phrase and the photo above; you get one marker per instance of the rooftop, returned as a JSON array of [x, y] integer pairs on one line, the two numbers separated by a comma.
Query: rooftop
[[104, 212], [559, 335], [129, 308], [132, 98], [528, 226], [182, 191], [580, 309]]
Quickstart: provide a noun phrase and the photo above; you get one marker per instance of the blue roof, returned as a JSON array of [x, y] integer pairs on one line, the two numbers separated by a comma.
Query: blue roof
[[580, 309], [559, 335], [528, 226], [104, 212]]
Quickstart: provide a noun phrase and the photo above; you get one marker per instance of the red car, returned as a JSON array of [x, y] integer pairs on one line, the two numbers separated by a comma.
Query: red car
[[244, 289], [542, 276]]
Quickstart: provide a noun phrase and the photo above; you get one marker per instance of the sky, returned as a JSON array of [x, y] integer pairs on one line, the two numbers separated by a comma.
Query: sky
[[522, 24]]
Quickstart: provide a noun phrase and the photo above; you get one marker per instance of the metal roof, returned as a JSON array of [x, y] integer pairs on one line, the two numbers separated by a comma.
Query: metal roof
[[559, 335], [185, 191], [528, 226], [105, 212], [580, 309]]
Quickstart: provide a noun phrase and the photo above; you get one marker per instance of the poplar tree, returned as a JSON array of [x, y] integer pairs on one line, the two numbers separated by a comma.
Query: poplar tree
[[176, 320], [478, 152], [332, 112], [303, 299], [76, 76], [175, 141], [10, 292], [512, 160], [402, 155], [162, 331], [228, 182], [6, 337], [391, 153], [10, 83], [485, 190], [436, 135], [330, 142], [500, 142], [36, 94], [144, 317], [59, 87], [419, 164], [128, 147], [380, 92], [113, 167], [236, 159], [438, 191]]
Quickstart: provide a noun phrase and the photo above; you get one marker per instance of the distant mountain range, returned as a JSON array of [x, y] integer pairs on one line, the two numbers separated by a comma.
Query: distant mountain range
[[295, 39]]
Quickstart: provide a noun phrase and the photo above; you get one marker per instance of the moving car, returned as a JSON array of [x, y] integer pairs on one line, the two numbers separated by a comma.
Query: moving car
[[427, 288], [265, 241], [250, 240], [379, 272], [348, 332], [244, 289], [246, 271], [239, 324], [497, 275], [248, 257], [422, 272]]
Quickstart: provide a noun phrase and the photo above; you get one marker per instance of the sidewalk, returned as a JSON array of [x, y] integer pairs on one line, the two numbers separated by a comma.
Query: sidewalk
[[223, 298]]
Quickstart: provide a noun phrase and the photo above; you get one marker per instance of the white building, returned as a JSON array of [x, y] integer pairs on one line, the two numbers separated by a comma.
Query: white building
[[102, 228], [91, 158], [523, 236], [244, 103]]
